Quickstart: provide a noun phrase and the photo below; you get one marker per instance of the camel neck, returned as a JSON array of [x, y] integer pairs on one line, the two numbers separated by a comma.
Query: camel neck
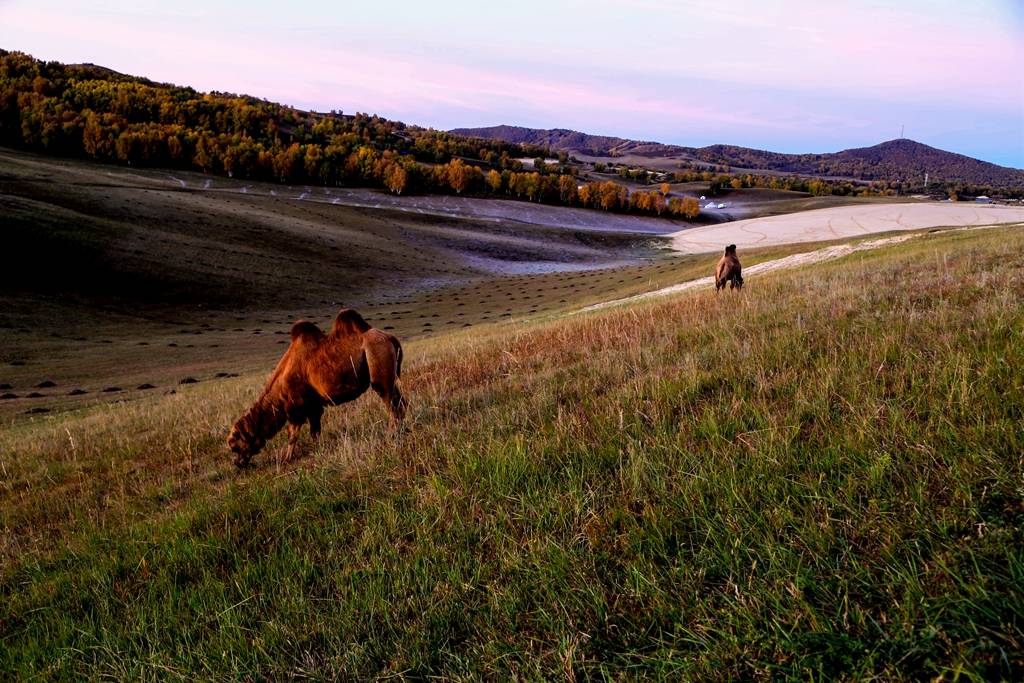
[[265, 418]]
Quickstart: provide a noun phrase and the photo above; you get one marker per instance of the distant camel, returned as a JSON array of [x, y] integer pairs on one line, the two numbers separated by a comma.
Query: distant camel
[[728, 270], [319, 370]]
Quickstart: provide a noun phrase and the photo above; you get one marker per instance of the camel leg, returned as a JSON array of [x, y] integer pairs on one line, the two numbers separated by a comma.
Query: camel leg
[[398, 405], [395, 402], [314, 423], [293, 440]]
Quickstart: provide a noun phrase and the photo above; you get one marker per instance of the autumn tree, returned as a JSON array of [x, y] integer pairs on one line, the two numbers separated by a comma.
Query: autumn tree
[[312, 158], [395, 178], [612, 195], [286, 162], [585, 194], [640, 201], [494, 181], [205, 153], [657, 203], [691, 208], [567, 189], [175, 148], [129, 147], [459, 175], [95, 141]]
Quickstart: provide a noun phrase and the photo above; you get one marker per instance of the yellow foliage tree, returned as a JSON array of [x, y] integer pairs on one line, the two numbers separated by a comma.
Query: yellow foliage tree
[[459, 175], [395, 178], [567, 189], [494, 181], [691, 208]]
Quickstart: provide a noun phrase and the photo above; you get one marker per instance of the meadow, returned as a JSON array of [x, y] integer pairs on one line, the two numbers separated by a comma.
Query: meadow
[[817, 478]]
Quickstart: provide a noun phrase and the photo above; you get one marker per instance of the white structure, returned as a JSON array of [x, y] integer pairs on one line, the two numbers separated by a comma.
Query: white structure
[[983, 199]]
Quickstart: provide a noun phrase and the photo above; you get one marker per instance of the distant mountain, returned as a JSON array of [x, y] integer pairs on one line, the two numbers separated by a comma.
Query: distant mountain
[[892, 160], [558, 139]]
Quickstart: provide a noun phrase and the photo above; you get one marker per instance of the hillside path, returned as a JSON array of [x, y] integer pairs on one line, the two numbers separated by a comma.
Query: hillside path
[[792, 261]]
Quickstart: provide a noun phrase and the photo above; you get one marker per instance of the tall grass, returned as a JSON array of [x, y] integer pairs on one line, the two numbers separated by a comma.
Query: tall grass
[[818, 478]]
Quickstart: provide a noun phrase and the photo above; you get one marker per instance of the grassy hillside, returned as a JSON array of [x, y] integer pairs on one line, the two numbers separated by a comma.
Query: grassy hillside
[[819, 478]]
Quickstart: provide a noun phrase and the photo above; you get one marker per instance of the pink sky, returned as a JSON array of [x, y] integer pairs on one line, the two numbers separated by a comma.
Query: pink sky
[[790, 76]]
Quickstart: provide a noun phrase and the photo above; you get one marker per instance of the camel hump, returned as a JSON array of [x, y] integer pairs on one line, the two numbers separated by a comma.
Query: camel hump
[[305, 330], [349, 322]]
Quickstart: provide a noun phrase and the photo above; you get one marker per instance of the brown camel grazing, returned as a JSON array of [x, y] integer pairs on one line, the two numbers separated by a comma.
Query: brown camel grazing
[[319, 370], [728, 270]]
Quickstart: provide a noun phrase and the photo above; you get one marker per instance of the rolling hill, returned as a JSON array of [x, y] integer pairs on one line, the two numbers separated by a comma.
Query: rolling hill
[[891, 160], [819, 480]]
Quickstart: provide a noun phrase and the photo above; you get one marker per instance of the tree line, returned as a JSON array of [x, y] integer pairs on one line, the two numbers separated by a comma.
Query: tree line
[[89, 112]]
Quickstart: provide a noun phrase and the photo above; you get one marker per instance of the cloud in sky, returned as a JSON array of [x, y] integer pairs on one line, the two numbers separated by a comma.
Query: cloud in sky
[[792, 76]]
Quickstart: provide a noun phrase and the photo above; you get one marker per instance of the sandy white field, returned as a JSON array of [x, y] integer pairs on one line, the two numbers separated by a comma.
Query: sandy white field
[[840, 222]]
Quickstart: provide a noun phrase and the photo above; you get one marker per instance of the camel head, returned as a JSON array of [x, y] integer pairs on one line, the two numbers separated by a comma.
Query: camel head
[[243, 443]]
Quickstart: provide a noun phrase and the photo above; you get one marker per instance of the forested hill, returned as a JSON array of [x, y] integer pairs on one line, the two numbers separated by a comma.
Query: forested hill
[[87, 111], [891, 161], [83, 110]]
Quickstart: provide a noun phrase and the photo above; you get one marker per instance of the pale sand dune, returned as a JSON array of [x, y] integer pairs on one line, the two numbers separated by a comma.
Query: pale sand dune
[[840, 222]]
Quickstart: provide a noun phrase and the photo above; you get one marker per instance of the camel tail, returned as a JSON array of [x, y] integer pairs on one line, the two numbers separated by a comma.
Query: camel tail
[[398, 356]]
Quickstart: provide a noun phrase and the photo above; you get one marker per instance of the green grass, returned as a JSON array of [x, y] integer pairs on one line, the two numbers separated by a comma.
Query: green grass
[[819, 478]]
